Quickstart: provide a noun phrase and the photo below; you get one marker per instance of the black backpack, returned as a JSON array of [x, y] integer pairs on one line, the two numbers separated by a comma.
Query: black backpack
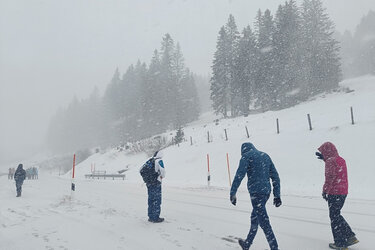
[[148, 172]]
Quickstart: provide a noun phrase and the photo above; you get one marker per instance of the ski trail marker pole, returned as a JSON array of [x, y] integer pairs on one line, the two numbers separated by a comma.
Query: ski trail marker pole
[[208, 173], [74, 167], [230, 181]]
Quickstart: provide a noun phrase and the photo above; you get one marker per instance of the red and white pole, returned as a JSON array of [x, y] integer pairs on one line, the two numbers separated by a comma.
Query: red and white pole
[[208, 168], [230, 181]]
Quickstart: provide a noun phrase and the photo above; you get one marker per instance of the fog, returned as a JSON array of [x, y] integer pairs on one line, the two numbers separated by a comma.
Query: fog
[[51, 51]]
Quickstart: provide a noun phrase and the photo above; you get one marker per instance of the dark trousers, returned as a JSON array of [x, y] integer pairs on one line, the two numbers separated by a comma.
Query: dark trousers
[[154, 201], [340, 228], [259, 217], [19, 187]]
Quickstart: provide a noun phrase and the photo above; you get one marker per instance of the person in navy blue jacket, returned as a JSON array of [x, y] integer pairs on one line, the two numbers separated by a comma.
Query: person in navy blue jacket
[[259, 169]]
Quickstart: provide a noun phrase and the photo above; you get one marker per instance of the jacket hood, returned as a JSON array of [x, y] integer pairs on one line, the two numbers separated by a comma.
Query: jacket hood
[[246, 147], [20, 166], [328, 150]]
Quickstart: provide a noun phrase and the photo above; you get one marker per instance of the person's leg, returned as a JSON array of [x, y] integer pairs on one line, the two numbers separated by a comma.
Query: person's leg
[[18, 188], [150, 202], [264, 222], [253, 229], [339, 226], [157, 201], [345, 229], [154, 201]]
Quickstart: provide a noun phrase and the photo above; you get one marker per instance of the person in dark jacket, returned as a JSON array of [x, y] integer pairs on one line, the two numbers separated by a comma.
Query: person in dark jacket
[[19, 177], [154, 187], [335, 190], [259, 169]]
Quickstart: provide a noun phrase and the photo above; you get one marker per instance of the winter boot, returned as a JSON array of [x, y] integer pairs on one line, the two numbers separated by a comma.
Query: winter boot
[[244, 245], [158, 220], [333, 246], [18, 195], [352, 240]]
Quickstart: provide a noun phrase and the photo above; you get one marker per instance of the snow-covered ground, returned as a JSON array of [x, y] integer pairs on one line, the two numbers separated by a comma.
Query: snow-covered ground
[[107, 214]]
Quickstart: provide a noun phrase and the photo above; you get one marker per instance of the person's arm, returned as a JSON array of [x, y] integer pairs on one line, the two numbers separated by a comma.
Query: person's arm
[[240, 174], [275, 180], [160, 168]]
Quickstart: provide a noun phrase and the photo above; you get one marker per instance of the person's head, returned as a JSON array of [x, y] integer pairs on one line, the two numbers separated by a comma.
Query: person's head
[[246, 147], [20, 166], [328, 150], [158, 154]]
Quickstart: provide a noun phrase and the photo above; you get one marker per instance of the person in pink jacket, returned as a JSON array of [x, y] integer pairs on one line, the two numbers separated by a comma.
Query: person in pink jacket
[[335, 190]]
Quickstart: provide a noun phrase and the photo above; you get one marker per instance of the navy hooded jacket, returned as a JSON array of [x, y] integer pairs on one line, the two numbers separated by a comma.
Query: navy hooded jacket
[[259, 169]]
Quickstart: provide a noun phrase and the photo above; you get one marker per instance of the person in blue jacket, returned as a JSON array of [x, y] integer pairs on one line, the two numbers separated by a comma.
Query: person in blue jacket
[[259, 169]]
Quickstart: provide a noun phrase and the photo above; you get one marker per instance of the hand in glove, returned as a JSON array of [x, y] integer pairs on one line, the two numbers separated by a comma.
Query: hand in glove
[[233, 199], [325, 196], [320, 156], [277, 202]]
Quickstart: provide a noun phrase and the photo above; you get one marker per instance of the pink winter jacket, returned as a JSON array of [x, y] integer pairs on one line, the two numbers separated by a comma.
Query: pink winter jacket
[[336, 175]]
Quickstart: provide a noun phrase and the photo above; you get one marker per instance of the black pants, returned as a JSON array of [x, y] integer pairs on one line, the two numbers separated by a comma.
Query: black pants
[[340, 228]]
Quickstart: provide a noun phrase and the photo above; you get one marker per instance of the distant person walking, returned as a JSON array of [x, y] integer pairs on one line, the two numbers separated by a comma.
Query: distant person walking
[[152, 173], [259, 169], [335, 190], [19, 177]]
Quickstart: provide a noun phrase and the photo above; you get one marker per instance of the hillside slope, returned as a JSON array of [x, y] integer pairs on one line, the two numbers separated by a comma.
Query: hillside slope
[[292, 150]]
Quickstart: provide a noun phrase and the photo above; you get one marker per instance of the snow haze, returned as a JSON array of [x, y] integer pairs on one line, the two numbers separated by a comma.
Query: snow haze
[[112, 214], [51, 51]]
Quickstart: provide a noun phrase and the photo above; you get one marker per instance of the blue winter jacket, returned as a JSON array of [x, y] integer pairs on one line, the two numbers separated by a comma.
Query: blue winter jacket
[[259, 169]]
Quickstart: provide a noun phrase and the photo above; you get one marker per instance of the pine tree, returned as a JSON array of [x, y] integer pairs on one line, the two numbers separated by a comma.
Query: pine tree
[[219, 82], [364, 59], [246, 70], [178, 69], [154, 98], [166, 77], [288, 76], [264, 27], [179, 136], [232, 38], [321, 50], [190, 106]]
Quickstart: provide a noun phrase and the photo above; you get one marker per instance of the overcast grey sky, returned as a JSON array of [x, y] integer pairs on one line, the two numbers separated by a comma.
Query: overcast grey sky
[[51, 50]]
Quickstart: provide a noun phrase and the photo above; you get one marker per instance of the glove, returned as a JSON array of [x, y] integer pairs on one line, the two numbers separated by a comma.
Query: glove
[[277, 201], [320, 156], [325, 196], [233, 199]]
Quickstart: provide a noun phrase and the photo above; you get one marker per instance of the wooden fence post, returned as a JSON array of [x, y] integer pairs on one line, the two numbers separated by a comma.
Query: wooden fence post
[[309, 120], [208, 136], [352, 115], [277, 125], [247, 132], [226, 136]]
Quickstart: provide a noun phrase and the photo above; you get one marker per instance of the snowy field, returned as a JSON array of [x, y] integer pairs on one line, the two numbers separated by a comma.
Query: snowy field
[[113, 215], [107, 214]]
